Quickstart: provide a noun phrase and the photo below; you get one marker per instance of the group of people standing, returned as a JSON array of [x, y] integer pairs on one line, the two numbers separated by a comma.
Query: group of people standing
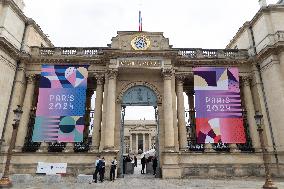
[[100, 165], [154, 163], [100, 169]]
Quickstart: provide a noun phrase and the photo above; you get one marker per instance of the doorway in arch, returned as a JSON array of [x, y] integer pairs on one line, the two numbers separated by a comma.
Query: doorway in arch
[[143, 136]]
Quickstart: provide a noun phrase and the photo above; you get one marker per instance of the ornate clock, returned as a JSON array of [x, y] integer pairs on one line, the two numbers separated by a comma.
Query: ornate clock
[[140, 43]]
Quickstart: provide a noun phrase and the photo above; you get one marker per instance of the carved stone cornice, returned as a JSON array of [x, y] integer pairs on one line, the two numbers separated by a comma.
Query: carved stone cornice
[[9, 48]]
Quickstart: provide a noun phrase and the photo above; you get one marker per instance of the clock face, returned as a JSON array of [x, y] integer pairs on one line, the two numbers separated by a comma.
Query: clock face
[[140, 43]]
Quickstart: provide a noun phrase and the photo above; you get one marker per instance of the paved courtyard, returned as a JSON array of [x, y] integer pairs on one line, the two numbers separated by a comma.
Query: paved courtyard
[[143, 182]]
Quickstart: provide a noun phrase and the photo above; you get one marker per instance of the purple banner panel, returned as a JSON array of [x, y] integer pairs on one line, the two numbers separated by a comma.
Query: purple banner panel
[[61, 104], [218, 105]]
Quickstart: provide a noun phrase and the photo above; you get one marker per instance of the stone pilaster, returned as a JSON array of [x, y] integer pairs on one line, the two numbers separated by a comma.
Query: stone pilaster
[[181, 117], [250, 113], [17, 99], [110, 120], [273, 82], [98, 113], [168, 111], [27, 105]]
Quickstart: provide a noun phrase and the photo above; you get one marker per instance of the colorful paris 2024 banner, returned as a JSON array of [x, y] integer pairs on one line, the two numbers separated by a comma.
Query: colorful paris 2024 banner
[[61, 104], [218, 105]]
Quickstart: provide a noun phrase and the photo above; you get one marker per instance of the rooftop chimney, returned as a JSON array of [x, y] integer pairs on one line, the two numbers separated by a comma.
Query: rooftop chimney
[[262, 3]]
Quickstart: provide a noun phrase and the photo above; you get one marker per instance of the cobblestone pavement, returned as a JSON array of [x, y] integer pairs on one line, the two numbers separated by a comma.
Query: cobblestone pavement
[[130, 182]]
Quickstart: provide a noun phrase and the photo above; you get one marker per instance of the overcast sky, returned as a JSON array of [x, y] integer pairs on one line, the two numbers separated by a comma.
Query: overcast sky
[[187, 23]]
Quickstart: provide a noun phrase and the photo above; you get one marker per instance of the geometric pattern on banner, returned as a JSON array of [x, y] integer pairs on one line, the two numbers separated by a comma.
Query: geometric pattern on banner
[[218, 105], [61, 104]]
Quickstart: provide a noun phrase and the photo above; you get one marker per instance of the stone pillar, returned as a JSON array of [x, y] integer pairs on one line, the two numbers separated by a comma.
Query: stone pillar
[[144, 142], [130, 143], [136, 143], [110, 120], [17, 99], [27, 105], [149, 141], [98, 114], [168, 111], [250, 113], [181, 116]]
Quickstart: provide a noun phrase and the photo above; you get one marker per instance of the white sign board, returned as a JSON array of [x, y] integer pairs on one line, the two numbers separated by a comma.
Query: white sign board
[[51, 168]]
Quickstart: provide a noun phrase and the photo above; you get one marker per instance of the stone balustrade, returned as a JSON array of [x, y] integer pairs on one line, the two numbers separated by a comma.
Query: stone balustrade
[[192, 53], [188, 53], [66, 51]]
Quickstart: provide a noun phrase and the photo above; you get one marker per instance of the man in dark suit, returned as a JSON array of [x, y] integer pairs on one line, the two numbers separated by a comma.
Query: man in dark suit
[[143, 162]]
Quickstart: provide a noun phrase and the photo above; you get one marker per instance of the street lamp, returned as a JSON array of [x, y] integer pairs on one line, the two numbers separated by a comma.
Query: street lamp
[[5, 181], [268, 181]]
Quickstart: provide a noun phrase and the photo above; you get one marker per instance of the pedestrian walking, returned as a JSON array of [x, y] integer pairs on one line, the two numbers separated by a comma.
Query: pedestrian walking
[[102, 169], [97, 169], [135, 161], [112, 169], [155, 164], [143, 162]]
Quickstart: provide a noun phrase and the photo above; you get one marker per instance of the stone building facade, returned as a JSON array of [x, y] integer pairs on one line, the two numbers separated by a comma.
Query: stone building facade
[[257, 50], [139, 135]]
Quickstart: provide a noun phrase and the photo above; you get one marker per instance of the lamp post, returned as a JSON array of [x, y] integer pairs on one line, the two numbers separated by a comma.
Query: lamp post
[[5, 181], [268, 181]]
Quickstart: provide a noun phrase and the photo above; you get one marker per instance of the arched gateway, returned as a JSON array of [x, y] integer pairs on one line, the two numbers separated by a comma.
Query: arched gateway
[[139, 95]]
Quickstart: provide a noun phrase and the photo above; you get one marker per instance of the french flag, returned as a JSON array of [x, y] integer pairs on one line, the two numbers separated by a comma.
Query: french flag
[[140, 21]]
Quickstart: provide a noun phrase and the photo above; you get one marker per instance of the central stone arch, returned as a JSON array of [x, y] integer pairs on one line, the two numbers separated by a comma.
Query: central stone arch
[[145, 87]]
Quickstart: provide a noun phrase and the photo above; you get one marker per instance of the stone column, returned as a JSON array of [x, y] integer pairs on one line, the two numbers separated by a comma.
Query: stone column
[[149, 141], [17, 99], [144, 142], [98, 114], [130, 143], [250, 113], [181, 116], [110, 121], [27, 105], [136, 143], [168, 111]]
